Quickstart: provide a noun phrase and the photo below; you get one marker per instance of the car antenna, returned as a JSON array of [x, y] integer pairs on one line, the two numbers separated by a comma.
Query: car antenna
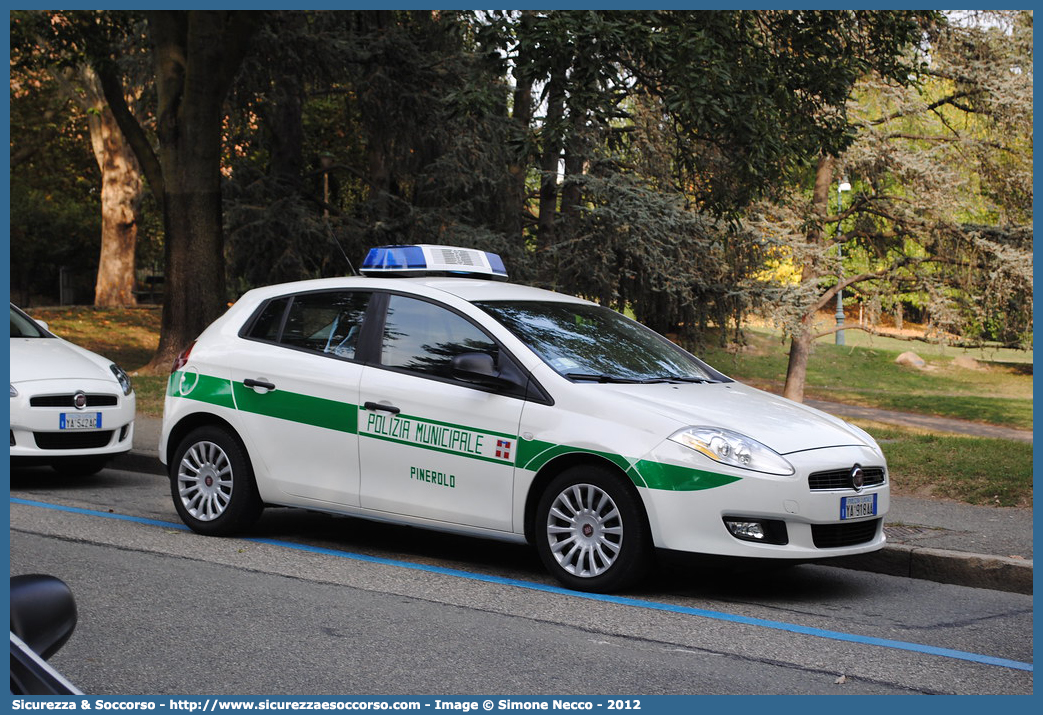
[[341, 249]]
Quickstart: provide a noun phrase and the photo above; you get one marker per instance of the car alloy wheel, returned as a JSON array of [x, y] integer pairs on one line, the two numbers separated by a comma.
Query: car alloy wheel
[[592, 534], [584, 530], [204, 480], [212, 482]]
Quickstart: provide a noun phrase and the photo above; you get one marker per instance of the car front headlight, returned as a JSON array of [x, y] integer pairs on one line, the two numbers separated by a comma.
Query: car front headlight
[[14, 392], [733, 449], [122, 377]]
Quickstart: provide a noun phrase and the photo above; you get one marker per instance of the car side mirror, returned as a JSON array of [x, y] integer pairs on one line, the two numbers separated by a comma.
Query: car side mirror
[[478, 368], [43, 612]]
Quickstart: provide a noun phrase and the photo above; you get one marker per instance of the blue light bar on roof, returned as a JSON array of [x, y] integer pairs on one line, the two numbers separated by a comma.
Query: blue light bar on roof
[[430, 260]]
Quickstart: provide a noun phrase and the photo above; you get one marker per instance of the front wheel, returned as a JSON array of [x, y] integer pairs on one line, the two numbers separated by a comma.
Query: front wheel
[[591, 531], [212, 483]]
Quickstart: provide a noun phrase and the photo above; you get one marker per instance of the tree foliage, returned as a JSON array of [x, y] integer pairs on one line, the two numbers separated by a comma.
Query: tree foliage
[[612, 154], [941, 178], [47, 53]]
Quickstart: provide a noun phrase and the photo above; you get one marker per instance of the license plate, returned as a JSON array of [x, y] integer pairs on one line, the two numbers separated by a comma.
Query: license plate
[[79, 420], [858, 507]]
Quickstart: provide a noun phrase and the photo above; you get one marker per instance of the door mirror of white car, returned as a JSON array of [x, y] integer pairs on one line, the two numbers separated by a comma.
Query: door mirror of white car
[[479, 368]]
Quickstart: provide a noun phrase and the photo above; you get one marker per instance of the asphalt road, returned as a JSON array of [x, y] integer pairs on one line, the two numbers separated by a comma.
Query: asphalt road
[[315, 604]]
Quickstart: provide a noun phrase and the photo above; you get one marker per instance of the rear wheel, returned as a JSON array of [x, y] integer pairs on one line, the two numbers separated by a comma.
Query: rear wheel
[[212, 483], [591, 532]]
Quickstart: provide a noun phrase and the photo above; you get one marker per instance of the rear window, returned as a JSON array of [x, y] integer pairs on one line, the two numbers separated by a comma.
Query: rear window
[[327, 322]]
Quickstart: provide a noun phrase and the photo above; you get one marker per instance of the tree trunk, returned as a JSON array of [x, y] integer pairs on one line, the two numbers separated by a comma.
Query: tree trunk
[[197, 55], [195, 277], [286, 131], [800, 342], [121, 191], [576, 155], [797, 368], [552, 143], [521, 119]]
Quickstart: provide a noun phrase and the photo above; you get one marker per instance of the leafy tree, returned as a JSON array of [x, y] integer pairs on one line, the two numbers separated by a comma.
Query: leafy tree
[[941, 173], [359, 129], [196, 55], [45, 46], [605, 141], [287, 136], [432, 113], [608, 153], [699, 111]]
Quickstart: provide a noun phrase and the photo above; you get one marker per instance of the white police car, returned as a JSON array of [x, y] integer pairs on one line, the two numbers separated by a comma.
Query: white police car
[[448, 398]]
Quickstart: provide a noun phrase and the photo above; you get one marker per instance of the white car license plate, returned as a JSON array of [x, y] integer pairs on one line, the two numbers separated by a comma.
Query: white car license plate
[[858, 507], [76, 420]]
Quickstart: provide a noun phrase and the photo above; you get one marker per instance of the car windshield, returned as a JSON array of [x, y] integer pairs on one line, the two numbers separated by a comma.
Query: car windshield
[[22, 326], [592, 343]]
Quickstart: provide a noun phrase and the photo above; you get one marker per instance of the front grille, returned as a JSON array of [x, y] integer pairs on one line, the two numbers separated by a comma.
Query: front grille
[[841, 478], [67, 401], [833, 536], [73, 440]]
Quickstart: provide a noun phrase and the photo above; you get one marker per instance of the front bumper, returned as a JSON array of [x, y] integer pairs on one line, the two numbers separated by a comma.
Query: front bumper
[[36, 432], [806, 520]]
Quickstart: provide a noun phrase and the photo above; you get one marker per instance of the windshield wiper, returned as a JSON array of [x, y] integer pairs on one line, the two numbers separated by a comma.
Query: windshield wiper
[[600, 378], [594, 377]]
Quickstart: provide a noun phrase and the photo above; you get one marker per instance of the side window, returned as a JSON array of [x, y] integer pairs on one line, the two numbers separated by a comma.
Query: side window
[[327, 322], [268, 323], [424, 337]]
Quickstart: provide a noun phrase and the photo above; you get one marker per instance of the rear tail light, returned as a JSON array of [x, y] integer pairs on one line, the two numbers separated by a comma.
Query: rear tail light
[[182, 359]]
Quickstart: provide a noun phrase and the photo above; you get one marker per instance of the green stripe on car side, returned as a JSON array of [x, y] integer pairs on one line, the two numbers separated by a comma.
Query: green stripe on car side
[[532, 455], [477, 457], [674, 478], [290, 406], [205, 388], [316, 411], [453, 425]]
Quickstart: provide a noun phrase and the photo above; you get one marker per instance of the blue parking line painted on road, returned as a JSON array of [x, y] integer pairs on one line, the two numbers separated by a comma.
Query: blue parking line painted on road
[[618, 600]]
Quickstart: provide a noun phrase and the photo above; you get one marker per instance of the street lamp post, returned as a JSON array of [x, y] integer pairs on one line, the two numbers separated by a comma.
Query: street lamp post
[[326, 161], [842, 187]]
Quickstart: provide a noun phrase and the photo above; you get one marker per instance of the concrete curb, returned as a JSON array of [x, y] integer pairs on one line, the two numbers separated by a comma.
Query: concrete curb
[[997, 573], [136, 461], [941, 565]]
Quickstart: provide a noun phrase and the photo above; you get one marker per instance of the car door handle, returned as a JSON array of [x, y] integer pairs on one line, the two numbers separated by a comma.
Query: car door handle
[[382, 407], [250, 382]]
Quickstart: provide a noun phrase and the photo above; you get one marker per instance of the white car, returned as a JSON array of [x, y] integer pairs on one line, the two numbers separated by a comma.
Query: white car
[[70, 408], [447, 398]]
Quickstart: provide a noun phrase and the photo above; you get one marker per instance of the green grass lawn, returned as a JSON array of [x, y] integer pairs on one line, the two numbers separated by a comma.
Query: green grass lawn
[[974, 470], [127, 336], [1000, 392], [862, 339]]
